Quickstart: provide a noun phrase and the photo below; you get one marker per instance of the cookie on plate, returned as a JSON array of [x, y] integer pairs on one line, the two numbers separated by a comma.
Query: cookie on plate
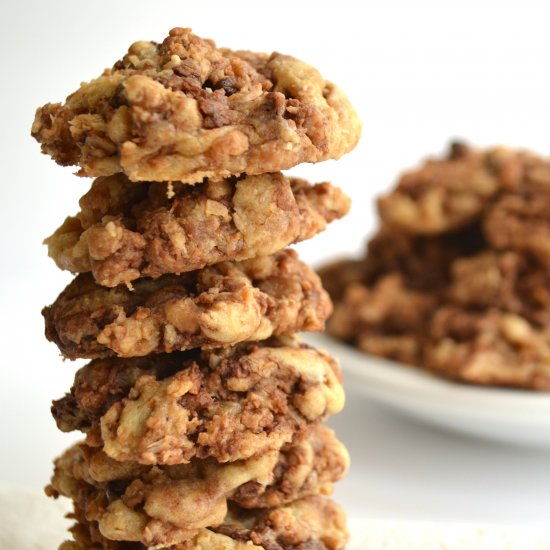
[[488, 347], [450, 193]]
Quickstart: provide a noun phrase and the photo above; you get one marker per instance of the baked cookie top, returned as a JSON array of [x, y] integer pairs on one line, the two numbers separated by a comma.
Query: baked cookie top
[[219, 305], [184, 110], [485, 322], [449, 193], [228, 404], [456, 279], [129, 230]]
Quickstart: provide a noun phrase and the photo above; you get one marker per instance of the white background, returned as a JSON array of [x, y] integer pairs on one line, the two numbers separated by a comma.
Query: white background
[[419, 73]]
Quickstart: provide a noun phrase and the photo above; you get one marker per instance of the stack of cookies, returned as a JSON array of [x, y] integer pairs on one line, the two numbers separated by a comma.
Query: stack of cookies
[[456, 279], [201, 407]]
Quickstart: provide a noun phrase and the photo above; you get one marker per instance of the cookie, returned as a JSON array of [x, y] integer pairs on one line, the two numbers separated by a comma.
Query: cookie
[[450, 193], [384, 319], [488, 347], [520, 221], [129, 230], [220, 305], [313, 522], [507, 281], [167, 505], [228, 404], [185, 110]]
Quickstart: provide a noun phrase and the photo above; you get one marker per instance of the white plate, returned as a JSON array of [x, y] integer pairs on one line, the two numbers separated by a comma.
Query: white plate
[[512, 416]]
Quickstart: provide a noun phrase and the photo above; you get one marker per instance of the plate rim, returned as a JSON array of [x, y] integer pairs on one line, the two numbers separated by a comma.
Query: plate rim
[[427, 390]]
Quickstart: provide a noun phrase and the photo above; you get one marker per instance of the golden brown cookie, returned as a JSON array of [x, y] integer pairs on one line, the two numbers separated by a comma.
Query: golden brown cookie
[[217, 306], [456, 279], [384, 301], [450, 193], [313, 523], [520, 221], [229, 404], [129, 230], [166, 505], [487, 325], [392, 251], [489, 347], [184, 110], [384, 319], [506, 281]]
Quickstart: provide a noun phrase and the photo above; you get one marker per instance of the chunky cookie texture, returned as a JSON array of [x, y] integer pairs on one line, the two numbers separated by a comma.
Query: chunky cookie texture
[[450, 193], [521, 221], [456, 279], [309, 523], [167, 505], [492, 347], [184, 110], [129, 230], [228, 404], [385, 319], [201, 407], [217, 306]]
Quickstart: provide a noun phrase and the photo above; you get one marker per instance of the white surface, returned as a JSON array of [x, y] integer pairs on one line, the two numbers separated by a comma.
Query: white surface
[[506, 415], [387, 535], [30, 521], [419, 74], [404, 470]]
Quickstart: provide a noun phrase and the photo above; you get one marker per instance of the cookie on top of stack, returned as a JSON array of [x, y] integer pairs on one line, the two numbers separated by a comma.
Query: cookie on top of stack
[[201, 408], [456, 278]]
